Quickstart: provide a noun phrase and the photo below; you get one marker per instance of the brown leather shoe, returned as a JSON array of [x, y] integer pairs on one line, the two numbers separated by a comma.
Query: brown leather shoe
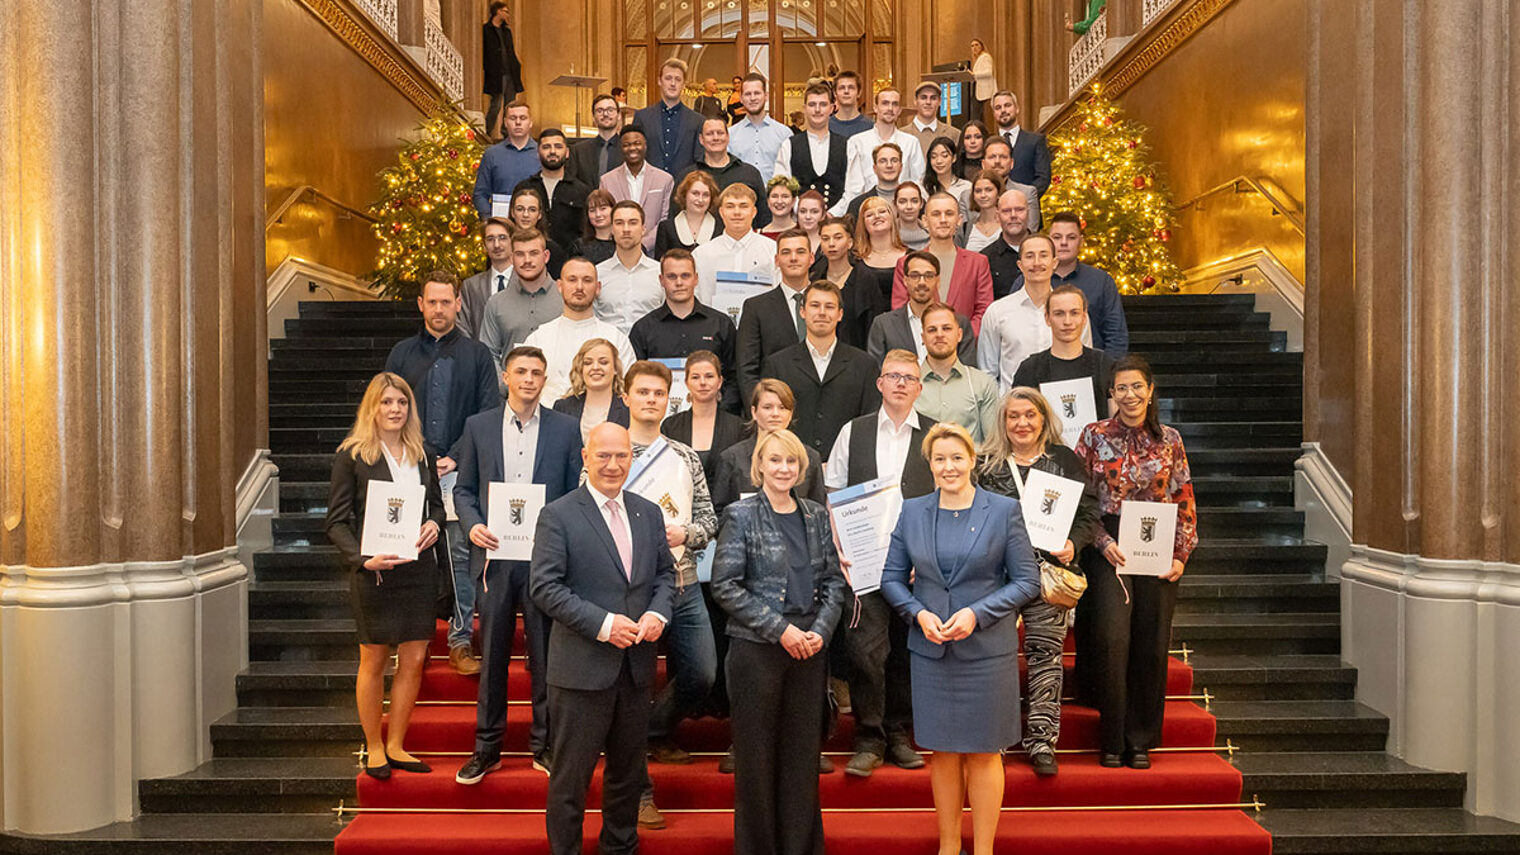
[[668, 752], [650, 816], [463, 662]]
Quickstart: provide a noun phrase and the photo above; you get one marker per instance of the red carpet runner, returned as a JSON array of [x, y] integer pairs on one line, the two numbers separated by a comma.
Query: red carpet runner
[[1085, 810]]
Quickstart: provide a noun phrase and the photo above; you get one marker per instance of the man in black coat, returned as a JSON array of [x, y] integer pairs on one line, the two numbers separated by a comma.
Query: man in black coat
[[832, 382], [565, 194], [503, 71]]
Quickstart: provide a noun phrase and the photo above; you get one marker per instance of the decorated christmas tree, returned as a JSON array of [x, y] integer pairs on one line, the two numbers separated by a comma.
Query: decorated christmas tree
[[425, 219], [1100, 172]]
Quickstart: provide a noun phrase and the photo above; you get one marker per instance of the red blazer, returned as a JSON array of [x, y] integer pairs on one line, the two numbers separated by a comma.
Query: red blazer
[[970, 286]]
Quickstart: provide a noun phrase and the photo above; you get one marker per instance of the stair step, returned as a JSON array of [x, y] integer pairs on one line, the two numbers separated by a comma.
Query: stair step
[[1344, 779], [1139, 340], [1241, 490], [1216, 461], [1261, 633], [328, 638], [317, 599], [394, 328], [1253, 677], [1191, 302], [1396, 831], [1255, 556], [1300, 725], [298, 563], [253, 785], [358, 308], [1240, 593], [288, 732], [191, 834], [1241, 522]]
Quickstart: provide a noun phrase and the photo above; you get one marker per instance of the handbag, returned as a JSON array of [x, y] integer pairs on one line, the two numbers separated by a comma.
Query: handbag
[[1060, 586]]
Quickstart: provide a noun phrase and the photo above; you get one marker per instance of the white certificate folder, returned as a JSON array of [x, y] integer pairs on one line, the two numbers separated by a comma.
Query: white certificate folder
[[513, 517], [864, 516], [392, 519], [1147, 531]]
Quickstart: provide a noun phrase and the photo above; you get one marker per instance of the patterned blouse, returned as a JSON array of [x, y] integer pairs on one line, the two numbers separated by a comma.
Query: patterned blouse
[[1128, 463]]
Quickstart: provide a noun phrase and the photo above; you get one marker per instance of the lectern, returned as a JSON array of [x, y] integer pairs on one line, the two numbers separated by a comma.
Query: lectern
[[579, 82], [956, 94]]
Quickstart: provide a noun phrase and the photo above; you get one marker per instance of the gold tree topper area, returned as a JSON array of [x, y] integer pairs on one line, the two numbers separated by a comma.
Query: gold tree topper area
[[1100, 172], [425, 218]]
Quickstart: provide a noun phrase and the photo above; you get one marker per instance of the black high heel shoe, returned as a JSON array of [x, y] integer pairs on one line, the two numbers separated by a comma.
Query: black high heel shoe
[[416, 766]]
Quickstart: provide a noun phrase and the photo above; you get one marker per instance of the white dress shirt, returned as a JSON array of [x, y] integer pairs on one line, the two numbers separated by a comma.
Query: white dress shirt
[[1013, 329], [821, 358], [404, 472], [562, 337], [860, 174], [1009, 134], [519, 445], [628, 293], [601, 501], [756, 143], [818, 151], [636, 185], [894, 443], [754, 253], [500, 278], [916, 326]]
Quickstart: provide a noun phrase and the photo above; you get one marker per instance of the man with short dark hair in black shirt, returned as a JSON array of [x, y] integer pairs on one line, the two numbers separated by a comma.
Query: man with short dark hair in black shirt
[[452, 377], [682, 324], [1003, 253], [1068, 358], [563, 193]]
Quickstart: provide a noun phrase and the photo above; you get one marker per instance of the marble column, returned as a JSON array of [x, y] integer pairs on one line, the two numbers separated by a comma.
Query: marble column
[[129, 297], [1431, 593]]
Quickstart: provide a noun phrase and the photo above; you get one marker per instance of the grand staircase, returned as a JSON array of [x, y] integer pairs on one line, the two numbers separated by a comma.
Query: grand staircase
[[1262, 707]]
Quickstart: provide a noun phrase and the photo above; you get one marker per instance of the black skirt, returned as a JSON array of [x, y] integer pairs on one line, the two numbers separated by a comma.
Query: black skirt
[[395, 605]]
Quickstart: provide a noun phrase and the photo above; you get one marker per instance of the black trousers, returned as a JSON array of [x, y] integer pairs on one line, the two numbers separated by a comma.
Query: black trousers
[[777, 724], [612, 721], [881, 694], [504, 591], [1122, 652]]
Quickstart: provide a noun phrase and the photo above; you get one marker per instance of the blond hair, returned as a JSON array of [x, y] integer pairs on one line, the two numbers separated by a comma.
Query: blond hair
[[947, 430], [578, 377], [363, 440], [998, 447], [791, 446], [863, 235]]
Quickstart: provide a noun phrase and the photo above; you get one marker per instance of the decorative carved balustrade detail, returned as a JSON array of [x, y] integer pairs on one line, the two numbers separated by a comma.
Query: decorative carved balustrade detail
[[383, 13], [444, 64], [1150, 10], [1087, 57]]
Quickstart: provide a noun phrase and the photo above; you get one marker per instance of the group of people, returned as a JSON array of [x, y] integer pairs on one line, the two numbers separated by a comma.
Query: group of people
[[861, 359]]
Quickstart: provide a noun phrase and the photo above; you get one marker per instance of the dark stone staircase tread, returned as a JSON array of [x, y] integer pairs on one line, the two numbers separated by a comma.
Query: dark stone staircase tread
[[1274, 716], [294, 625], [190, 834], [1242, 666], [315, 667], [297, 587], [250, 775], [1331, 830], [1320, 768]]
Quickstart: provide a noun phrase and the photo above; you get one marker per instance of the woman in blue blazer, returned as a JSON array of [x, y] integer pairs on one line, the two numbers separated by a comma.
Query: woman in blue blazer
[[972, 569], [776, 572]]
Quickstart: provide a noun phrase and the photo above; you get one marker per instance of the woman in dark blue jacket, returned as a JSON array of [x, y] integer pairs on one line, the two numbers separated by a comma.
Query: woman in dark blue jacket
[[776, 573], [972, 570]]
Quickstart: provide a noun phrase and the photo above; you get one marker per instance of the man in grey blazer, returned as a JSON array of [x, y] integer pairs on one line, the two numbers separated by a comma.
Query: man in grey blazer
[[603, 573], [902, 328], [476, 290]]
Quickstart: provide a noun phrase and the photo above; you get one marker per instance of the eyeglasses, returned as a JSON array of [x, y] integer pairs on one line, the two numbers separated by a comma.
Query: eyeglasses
[[920, 276], [900, 379]]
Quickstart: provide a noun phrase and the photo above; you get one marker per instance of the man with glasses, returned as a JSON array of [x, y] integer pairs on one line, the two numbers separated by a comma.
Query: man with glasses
[[593, 157], [882, 444], [903, 327]]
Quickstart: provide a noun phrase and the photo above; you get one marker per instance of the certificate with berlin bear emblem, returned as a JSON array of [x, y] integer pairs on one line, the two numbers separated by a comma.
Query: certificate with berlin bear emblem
[[1146, 534], [513, 518], [392, 519]]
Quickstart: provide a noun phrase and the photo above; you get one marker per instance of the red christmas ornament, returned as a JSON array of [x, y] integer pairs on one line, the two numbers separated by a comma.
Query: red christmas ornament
[[1166, 234], [1083, 222], [1139, 182], [1055, 180], [415, 155], [469, 135], [464, 198], [475, 165], [1108, 121], [453, 155], [464, 230], [396, 204], [1082, 127], [396, 227], [1134, 143], [1148, 281]]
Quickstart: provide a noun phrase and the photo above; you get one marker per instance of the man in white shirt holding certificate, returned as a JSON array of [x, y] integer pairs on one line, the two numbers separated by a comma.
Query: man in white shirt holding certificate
[[740, 251], [521, 443], [882, 444], [669, 473]]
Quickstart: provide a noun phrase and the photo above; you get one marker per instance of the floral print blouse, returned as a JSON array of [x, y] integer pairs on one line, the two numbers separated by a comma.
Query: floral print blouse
[[1128, 463]]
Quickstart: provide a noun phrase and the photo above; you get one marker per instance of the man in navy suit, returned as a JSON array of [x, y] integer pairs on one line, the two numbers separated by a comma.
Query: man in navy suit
[[1031, 154], [671, 127], [521, 443], [602, 571]]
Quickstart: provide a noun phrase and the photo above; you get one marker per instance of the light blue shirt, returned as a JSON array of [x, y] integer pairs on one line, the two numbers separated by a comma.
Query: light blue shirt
[[758, 145]]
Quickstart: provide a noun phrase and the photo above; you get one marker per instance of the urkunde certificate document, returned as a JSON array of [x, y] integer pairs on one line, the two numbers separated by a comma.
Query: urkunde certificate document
[[392, 519], [1074, 406], [1146, 534], [864, 515], [513, 517], [660, 475], [1049, 503]]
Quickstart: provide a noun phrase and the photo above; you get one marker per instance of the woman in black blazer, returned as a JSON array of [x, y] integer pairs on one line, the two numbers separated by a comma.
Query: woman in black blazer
[[771, 406], [705, 426], [1030, 439], [777, 576], [596, 387], [691, 222], [393, 598]]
